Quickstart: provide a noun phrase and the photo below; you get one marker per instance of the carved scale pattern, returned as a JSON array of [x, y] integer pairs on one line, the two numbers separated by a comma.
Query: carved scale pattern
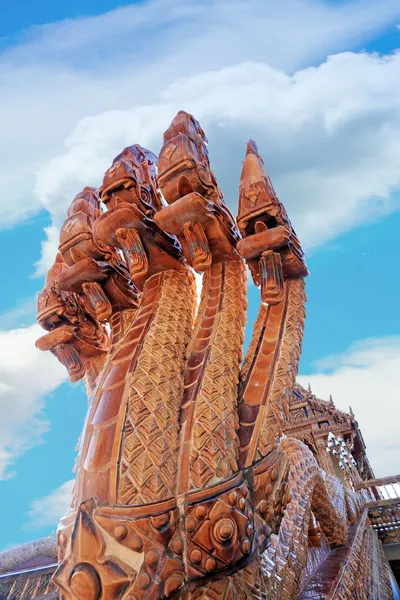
[[329, 503], [287, 362], [248, 583], [277, 573], [214, 448], [133, 452], [254, 342], [273, 355], [323, 456], [365, 574], [148, 468], [353, 506], [100, 440], [383, 570], [288, 550], [198, 354]]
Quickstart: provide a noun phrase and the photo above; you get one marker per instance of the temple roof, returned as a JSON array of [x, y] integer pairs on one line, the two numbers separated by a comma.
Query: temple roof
[[307, 412], [26, 571], [40, 552], [300, 394]]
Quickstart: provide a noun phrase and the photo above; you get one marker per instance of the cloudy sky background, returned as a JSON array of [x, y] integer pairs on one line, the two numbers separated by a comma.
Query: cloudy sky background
[[315, 83]]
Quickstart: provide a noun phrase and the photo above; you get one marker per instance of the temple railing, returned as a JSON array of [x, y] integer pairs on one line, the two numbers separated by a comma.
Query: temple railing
[[24, 584], [383, 501]]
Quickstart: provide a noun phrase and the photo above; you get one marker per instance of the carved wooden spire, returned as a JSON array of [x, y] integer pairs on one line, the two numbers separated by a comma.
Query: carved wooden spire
[[256, 195]]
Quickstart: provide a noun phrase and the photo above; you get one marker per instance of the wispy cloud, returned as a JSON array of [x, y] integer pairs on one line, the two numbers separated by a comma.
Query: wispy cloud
[[48, 510], [21, 315], [214, 33], [26, 376], [58, 74]]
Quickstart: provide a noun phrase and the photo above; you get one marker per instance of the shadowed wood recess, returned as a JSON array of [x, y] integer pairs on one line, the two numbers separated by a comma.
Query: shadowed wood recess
[[199, 474]]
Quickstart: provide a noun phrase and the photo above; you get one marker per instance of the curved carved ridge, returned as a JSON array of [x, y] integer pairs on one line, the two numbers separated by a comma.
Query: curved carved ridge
[[98, 455], [256, 338], [120, 323], [269, 372], [149, 453], [93, 369], [198, 353], [253, 397], [209, 449], [286, 364]]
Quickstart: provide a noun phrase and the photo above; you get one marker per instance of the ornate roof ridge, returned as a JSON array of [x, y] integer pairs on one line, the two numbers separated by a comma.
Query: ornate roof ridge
[[10, 559], [313, 399]]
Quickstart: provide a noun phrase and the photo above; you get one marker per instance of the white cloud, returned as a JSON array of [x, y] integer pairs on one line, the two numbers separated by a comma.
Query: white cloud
[[213, 33], [59, 75], [21, 315], [26, 376], [49, 247], [366, 378], [48, 510], [330, 138]]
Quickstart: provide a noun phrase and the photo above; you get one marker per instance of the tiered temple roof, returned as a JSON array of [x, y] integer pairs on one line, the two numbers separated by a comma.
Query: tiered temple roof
[[317, 422], [25, 571]]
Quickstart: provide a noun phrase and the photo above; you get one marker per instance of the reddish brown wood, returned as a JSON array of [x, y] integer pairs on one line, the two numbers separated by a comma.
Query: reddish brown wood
[[186, 486]]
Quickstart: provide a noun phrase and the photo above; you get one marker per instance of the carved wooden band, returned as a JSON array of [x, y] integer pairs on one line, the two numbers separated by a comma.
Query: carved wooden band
[[158, 549]]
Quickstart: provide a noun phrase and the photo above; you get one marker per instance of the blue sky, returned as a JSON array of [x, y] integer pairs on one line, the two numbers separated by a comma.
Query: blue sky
[[315, 83]]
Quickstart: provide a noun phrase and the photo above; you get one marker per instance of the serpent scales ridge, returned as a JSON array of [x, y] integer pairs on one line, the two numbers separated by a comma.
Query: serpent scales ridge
[[186, 486]]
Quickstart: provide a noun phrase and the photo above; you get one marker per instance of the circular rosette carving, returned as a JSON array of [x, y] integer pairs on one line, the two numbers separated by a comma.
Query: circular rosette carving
[[224, 530]]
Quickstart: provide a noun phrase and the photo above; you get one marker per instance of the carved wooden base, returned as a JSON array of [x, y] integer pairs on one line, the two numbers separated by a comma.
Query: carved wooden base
[[151, 551]]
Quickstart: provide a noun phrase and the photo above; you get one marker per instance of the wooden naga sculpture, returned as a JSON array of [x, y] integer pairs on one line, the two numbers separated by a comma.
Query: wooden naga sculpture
[[185, 485], [73, 304]]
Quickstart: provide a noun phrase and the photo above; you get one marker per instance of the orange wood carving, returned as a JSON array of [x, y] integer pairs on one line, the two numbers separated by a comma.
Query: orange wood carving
[[185, 485]]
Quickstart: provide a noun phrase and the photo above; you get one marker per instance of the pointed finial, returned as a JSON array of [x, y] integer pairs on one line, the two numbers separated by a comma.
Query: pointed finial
[[253, 166], [330, 399], [309, 388], [257, 197], [351, 413], [251, 148]]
